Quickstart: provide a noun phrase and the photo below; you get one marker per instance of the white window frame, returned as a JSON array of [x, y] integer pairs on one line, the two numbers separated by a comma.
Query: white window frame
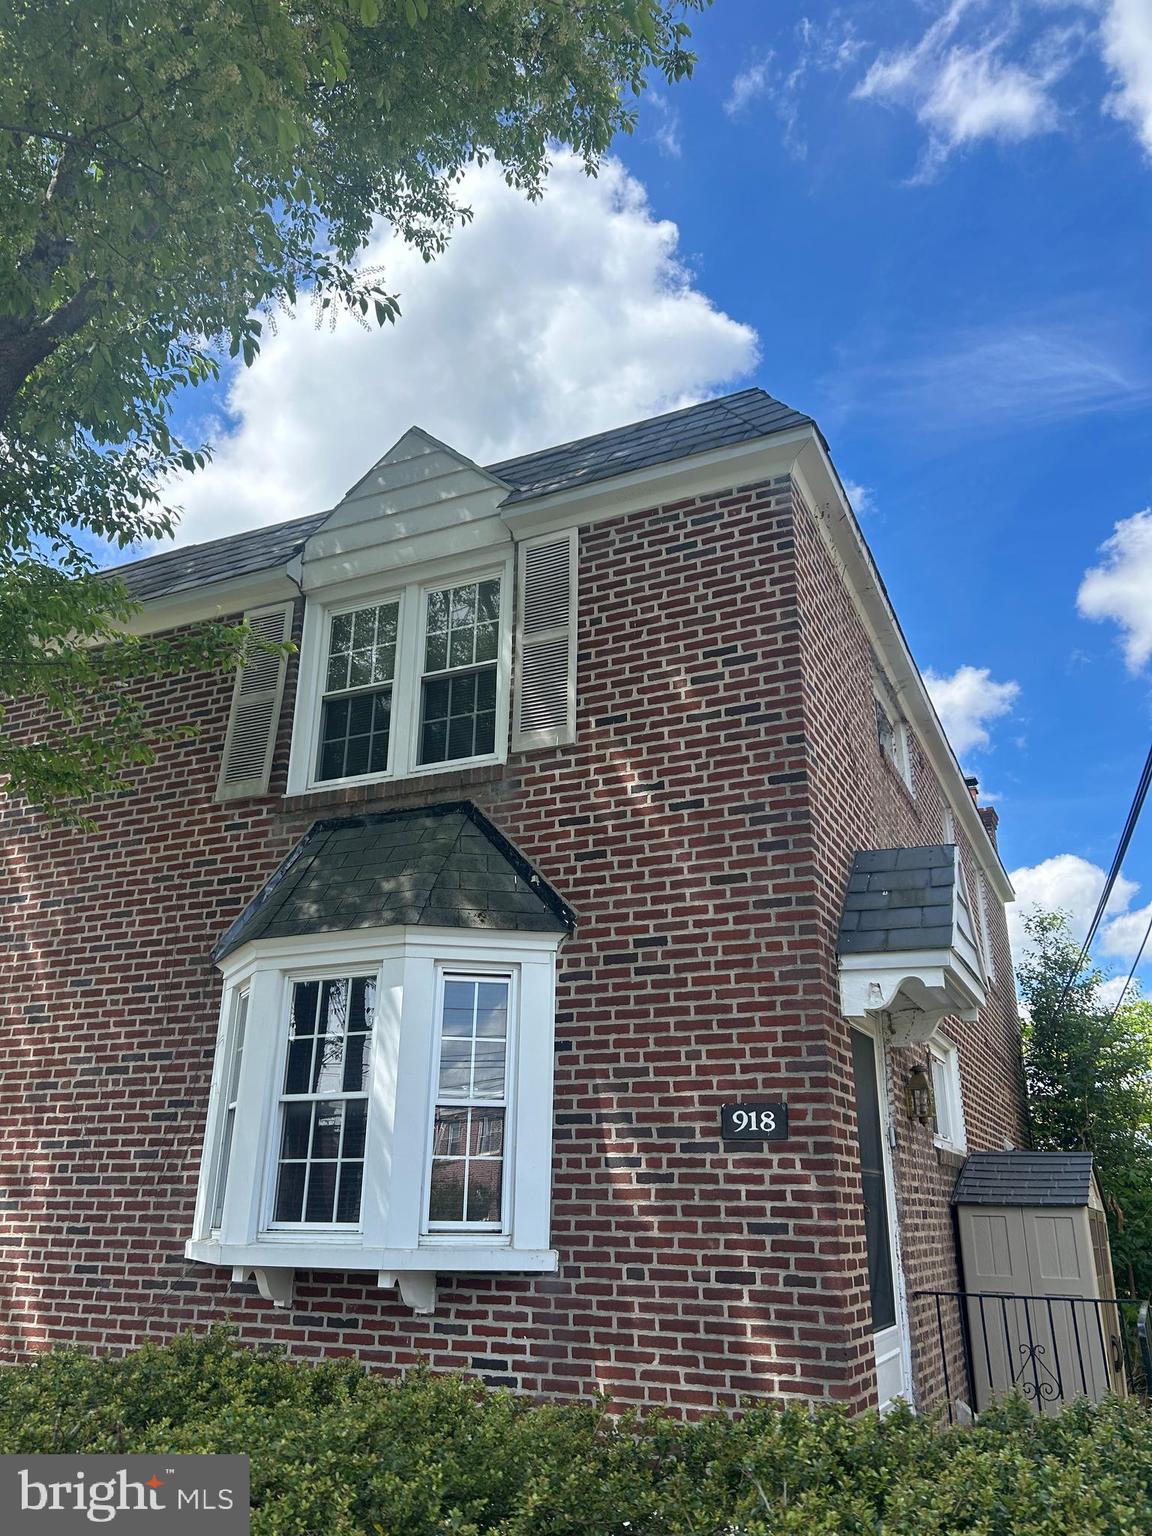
[[948, 1094], [404, 732], [393, 1233], [438, 1229], [900, 758]]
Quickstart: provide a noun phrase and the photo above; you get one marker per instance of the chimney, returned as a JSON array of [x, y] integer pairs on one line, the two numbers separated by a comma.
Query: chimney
[[986, 813]]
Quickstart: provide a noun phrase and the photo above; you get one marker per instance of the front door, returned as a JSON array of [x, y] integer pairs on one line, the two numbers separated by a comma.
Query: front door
[[879, 1222]]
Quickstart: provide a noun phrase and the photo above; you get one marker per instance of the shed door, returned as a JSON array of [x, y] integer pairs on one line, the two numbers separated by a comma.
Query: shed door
[[1030, 1329]]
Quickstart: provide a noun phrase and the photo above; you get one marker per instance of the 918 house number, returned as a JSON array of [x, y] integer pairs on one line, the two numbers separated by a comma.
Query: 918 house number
[[754, 1122]]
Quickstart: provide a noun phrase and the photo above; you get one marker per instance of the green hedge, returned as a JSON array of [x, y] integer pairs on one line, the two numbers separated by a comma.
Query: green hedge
[[337, 1452]]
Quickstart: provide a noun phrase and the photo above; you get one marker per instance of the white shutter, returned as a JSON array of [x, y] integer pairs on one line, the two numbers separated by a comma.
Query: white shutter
[[256, 699], [544, 711]]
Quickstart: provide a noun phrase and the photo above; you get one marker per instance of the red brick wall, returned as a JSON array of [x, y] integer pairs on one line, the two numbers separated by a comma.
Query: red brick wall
[[861, 801], [700, 826]]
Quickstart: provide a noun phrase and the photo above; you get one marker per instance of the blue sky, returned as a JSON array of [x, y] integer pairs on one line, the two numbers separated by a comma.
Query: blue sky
[[928, 226]]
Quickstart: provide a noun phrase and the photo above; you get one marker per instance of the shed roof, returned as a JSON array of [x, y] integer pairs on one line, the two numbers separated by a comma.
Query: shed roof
[[738, 418], [899, 898], [1025, 1178], [443, 866]]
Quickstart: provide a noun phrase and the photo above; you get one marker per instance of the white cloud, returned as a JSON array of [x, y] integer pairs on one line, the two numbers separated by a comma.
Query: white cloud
[[966, 701], [749, 86], [666, 125], [1126, 43], [1073, 361], [1067, 883], [963, 88], [861, 497], [1120, 588], [540, 323]]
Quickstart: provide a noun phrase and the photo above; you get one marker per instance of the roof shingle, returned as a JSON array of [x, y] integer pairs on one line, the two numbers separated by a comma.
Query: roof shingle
[[443, 866], [1025, 1178], [899, 899], [712, 424]]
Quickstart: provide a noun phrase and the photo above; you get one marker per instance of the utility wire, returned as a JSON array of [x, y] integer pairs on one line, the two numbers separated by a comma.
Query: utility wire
[[1113, 873], [1132, 972]]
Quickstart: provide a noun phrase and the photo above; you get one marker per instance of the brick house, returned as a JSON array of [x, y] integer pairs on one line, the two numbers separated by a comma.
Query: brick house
[[531, 973]]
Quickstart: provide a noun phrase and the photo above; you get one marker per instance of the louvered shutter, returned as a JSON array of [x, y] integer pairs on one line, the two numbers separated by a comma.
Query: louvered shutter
[[256, 699], [544, 711]]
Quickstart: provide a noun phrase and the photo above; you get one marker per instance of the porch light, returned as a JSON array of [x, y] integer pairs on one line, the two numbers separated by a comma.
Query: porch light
[[918, 1095]]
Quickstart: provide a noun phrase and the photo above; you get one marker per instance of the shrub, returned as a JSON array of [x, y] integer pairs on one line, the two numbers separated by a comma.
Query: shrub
[[336, 1451]]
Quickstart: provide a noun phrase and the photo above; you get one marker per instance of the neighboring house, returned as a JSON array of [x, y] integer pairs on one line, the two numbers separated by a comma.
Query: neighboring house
[[528, 975]]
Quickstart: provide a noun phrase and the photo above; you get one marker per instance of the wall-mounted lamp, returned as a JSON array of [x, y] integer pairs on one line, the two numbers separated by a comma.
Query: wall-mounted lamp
[[918, 1095]]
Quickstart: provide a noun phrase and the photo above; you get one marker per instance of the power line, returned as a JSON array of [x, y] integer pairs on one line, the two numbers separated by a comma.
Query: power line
[[1132, 972], [1121, 849]]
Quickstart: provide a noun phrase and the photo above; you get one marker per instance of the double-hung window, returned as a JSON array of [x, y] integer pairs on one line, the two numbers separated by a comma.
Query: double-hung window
[[460, 672], [947, 1094], [324, 1104], [466, 1183], [356, 710], [415, 676], [406, 683]]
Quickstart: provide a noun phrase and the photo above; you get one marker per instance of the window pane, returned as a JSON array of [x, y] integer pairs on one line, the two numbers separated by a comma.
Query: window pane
[[290, 1192], [355, 1122], [484, 1190], [355, 1078], [488, 1071], [297, 1123], [305, 996], [492, 999], [348, 1196], [460, 648], [450, 1136], [299, 1074], [321, 1192], [329, 1117], [486, 1138], [446, 1202], [455, 1060], [488, 602]]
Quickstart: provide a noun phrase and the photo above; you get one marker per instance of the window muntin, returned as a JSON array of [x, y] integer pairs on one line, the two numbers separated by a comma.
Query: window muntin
[[356, 707], [324, 1102], [459, 674], [231, 1097], [466, 1168]]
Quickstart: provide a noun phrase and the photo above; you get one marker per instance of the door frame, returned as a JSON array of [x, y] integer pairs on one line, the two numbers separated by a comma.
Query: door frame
[[899, 1334]]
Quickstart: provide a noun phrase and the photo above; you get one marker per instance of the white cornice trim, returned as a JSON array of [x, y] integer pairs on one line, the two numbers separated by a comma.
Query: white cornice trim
[[217, 601], [818, 481]]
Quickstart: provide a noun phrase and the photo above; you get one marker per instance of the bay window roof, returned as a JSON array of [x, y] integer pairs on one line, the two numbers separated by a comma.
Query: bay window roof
[[441, 866]]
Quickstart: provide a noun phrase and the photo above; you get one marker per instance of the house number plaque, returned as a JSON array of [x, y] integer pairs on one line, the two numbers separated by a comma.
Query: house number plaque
[[754, 1122]]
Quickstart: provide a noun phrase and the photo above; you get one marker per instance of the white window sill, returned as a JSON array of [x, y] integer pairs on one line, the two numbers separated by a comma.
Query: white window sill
[[421, 771], [483, 1257], [944, 1145]]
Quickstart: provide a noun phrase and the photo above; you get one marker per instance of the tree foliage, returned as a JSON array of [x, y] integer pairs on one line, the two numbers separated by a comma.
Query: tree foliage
[[1088, 1069], [172, 172]]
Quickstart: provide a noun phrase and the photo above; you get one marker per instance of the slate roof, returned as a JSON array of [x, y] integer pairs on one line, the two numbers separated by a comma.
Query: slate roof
[[443, 866], [1024, 1178], [899, 898], [701, 428], [198, 565]]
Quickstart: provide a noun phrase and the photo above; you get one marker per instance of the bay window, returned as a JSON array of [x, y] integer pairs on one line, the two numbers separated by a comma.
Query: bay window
[[382, 1100]]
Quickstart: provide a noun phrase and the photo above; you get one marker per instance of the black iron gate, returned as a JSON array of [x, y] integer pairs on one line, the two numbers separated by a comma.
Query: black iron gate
[[1050, 1349]]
